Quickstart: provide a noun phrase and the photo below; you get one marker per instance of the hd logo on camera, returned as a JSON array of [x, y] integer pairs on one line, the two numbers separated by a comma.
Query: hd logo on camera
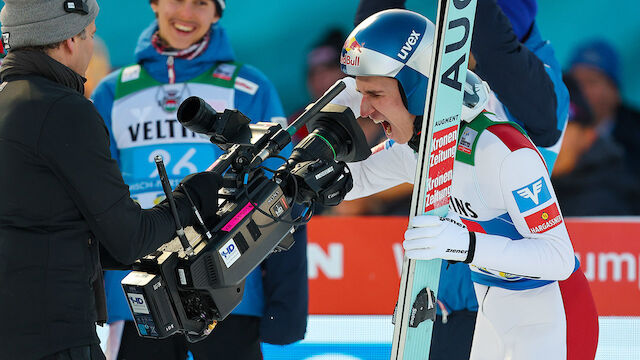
[[229, 253]]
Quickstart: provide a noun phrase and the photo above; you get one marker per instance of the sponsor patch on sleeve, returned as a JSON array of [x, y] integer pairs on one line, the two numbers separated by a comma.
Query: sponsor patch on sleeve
[[466, 140], [544, 220], [245, 85], [224, 71], [532, 195], [130, 73]]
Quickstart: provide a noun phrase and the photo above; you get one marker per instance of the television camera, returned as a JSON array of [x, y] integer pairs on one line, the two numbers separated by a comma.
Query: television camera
[[187, 286]]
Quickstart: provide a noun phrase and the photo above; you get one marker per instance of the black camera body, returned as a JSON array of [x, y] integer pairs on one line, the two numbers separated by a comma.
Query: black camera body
[[169, 291], [191, 293]]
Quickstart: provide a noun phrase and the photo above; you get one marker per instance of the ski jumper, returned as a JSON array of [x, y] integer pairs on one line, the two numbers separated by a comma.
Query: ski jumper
[[501, 190]]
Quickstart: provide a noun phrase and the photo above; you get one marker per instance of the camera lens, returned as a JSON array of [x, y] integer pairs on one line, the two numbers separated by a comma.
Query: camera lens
[[334, 135], [196, 115]]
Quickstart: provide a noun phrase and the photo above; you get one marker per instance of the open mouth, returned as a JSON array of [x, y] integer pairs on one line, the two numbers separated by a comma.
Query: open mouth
[[183, 28], [385, 125], [387, 128]]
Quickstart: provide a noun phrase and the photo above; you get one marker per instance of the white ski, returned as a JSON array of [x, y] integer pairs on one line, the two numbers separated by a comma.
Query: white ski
[[416, 308]]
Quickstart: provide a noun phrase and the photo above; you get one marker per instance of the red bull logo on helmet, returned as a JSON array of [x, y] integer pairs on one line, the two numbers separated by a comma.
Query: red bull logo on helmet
[[353, 44], [350, 60], [348, 57]]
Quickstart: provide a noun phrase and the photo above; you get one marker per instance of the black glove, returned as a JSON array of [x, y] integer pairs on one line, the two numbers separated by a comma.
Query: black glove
[[202, 190], [325, 182]]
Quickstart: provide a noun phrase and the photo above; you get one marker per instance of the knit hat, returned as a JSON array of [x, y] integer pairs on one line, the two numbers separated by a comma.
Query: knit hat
[[44, 22], [220, 6], [599, 55]]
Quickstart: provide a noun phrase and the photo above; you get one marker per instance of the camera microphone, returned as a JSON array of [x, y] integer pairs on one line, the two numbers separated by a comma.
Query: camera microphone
[[166, 187]]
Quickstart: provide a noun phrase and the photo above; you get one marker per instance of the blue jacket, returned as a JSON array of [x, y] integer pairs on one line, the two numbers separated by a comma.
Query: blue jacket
[[277, 291]]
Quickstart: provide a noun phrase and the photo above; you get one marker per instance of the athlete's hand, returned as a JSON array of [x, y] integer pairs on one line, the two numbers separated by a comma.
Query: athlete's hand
[[432, 237], [349, 97]]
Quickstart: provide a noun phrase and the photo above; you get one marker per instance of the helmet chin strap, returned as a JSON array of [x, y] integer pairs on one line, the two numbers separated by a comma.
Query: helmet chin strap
[[414, 142]]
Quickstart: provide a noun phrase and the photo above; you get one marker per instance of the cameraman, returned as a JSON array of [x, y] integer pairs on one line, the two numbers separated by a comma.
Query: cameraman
[[62, 193]]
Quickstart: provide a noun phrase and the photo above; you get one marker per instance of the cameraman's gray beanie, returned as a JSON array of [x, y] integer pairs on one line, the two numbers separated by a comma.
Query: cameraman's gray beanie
[[43, 22]]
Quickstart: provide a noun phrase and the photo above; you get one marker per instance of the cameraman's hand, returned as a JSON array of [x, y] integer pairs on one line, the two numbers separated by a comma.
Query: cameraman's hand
[[349, 97], [202, 188]]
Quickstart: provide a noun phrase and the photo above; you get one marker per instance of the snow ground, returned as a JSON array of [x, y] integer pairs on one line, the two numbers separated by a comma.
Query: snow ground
[[619, 336]]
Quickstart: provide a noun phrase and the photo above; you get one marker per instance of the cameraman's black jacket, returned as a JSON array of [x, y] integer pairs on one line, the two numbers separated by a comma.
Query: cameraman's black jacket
[[61, 195]]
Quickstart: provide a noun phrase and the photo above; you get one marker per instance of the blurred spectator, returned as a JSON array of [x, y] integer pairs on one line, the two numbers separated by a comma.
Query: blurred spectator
[[99, 66], [596, 67], [323, 63], [323, 69], [590, 177]]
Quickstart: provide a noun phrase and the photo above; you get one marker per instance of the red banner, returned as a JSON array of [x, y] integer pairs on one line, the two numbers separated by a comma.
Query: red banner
[[355, 262]]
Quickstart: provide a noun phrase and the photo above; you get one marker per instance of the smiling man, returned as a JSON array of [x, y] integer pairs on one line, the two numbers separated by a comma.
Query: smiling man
[[181, 24], [185, 53]]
